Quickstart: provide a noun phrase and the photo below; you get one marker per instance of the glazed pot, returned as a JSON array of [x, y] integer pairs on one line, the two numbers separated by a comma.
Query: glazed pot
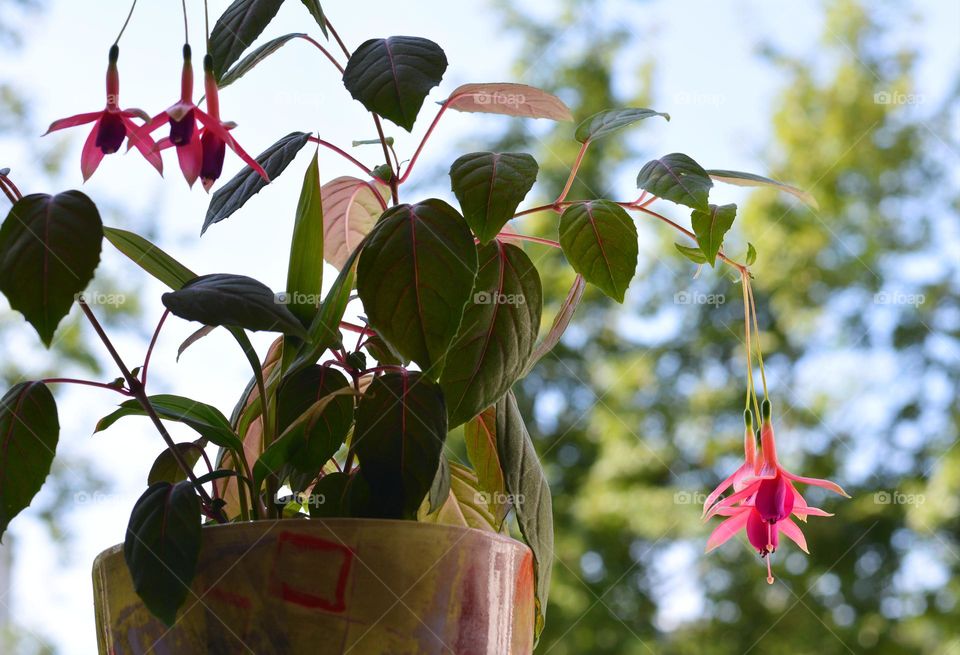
[[358, 586]]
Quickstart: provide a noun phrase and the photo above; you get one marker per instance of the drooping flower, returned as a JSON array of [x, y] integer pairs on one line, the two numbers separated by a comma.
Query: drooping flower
[[111, 126], [200, 137]]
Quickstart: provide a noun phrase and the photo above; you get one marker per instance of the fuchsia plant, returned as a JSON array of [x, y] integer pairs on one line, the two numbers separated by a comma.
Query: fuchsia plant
[[359, 414]]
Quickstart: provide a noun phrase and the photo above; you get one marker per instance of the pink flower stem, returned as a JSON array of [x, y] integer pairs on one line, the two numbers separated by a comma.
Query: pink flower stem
[[356, 328], [324, 51], [153, 342], [10, 188], [573, 172], [556, 207], [426, 136], [525, 237], [337, 37], [341, 152]]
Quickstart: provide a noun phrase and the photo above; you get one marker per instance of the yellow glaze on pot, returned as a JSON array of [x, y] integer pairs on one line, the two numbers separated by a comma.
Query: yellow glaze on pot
[[364, 587]]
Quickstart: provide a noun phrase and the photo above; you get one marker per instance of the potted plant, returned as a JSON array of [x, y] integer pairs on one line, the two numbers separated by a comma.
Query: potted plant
[[331, 517]]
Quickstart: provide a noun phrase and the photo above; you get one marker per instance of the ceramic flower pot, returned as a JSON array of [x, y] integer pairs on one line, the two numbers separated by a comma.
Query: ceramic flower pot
[[332, 586]]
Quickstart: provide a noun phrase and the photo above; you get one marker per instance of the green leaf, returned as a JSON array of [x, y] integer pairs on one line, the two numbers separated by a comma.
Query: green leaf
[[399, 435], [490, 186], [166, 469], [329, 491], [149, 257], [383, 352], [351, 207], [29, 431], [207, 420], [608, 121], [234, 301], [305, 271], [465, 506], [497, 335], [440, 489], [751, 254], [677, 178], [415, 277], [480, 435], [238, 27], [710, 227], [600, 240], [246, 64], [247, 183], [162, 546], [693, 254], [49, 249], [530, 493], [313, 6], [392, 76], [560, 323], [510, 99], [739, 178]]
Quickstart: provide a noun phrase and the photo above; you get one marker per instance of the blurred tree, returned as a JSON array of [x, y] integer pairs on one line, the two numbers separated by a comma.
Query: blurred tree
[[638, 414]]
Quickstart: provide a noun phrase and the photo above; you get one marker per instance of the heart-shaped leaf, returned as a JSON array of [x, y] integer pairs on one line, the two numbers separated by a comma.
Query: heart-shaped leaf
[[29, 431], [608, 121], [246, 64], [162, 546], [207, 420], [313, 6], [166, 468], [480, 436], [392, 76], [238, 27], [528, 488], [490, 186], [710, 227], [510, 99], [739, 178], [399, 435], [149, 257], [49, 249], [351, 207], [248, 182], [600, 241], [693, 254], [415, 277], [305, 269], [497, 334], [560, 323], [235, 301], [677, 178]]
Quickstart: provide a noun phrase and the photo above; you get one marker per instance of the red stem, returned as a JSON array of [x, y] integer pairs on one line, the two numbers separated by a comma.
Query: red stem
[[542, 208], [341, 152], [423, 142], [324, 51], [153, 342], [88, 383], [337, 37], [356, 328], [573, 172], [525, 237]]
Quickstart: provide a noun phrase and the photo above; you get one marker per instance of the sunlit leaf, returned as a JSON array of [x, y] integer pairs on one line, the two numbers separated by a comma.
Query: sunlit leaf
[[710, 227], [740, 178], [677, 178], [510, 99], [608, 121], [560, 322], [600, 241], [351, 207], [305, 269]]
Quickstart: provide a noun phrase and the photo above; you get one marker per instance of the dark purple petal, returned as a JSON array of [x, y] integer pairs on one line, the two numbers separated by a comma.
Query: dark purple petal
[[214, 150], [181, 131], [775, 499], [111, 134]]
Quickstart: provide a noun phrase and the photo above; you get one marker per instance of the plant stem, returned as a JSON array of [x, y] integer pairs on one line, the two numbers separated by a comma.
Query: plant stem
[[342, 153], [426, 136], [186, 29], [326, 52], [357, 328], [138, 392], [336, 37], [740, 267], [573, 172], [394, 191], [126, 22], [525, 237], [756, 329], [555, 207], [88, 383], [153, 342], [10, 189]]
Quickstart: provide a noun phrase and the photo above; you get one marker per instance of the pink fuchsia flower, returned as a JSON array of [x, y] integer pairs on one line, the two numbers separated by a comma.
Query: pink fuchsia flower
[[200, 149], [747, 470], [111, 127]]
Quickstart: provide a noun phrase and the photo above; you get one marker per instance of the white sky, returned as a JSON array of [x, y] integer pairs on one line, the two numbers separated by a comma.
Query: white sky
[[61, 71]]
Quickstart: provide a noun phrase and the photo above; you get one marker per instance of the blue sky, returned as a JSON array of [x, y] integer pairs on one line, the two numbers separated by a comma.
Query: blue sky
[[717, 92]]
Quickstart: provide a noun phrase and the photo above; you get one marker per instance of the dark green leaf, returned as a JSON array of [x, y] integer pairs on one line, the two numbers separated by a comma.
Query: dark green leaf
[[440, 489], [740, 178], [392, 76], [238, 27], [49, 249], [383, 352], [305, 271], [247, 183], [490, 186], [677, 178], [510, 99], [233, 301], [166, 469], [193, 338], [246, 64], [693, 254], [415, 277], [480, 435], [29, 431], [530, 494], [611, 120], [328, 495], [399, 435], [560, 323], [162, 546], [207, 420], [710, 227], [313, 6], [751, 254], [497, 335], [149, 257], [600, 240]]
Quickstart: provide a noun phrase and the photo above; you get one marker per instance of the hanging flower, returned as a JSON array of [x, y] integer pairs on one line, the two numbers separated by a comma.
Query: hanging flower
[[200, 148], [111, 127]]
